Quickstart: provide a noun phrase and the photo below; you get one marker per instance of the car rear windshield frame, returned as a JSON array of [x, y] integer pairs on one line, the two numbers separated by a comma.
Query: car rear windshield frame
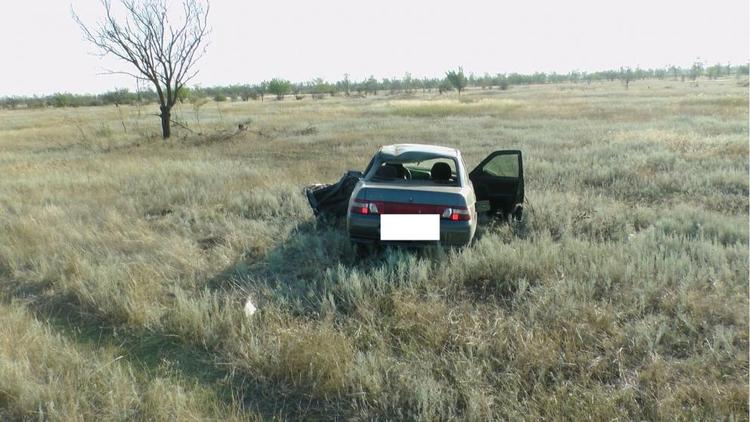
[[378, 161]]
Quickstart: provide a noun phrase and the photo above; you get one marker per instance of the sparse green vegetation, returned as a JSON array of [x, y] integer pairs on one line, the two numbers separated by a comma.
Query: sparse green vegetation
[[457, 79], [279, 87], [370, 86], [125, 262]]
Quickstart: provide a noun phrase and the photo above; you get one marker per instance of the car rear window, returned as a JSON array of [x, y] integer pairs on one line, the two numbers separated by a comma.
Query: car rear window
[[434, 171]]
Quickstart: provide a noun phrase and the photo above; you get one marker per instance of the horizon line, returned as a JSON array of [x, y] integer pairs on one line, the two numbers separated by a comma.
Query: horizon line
[[399, 77]]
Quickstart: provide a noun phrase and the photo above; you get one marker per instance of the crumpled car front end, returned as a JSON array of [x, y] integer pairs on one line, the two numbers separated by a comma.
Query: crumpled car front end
[[331, 200]]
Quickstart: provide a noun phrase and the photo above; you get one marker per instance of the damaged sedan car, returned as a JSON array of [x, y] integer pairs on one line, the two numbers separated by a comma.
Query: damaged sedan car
[[417, 194]]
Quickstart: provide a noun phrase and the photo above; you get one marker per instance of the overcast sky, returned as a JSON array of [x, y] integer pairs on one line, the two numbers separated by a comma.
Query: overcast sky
[[43, 50]]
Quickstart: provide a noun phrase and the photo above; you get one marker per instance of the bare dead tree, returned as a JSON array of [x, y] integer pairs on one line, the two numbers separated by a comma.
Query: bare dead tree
[[163, 52]]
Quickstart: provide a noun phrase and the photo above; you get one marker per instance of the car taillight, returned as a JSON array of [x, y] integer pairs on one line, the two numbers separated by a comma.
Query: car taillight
[[364, 207], [456, 214]]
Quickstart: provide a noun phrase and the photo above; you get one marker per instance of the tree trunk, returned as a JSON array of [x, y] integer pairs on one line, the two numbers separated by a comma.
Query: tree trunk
[[165, 122]]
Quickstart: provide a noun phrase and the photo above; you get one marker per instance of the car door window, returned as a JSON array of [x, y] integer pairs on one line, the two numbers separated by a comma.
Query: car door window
[[502, 166]]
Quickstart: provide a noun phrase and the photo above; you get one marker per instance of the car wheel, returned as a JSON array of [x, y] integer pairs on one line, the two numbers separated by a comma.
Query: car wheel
[[518, 213]]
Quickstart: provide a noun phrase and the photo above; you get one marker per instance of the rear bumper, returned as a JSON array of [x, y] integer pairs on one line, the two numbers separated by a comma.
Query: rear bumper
[[366, 229]]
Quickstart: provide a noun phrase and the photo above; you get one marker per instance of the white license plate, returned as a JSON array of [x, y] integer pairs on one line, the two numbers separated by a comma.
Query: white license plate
[[410, 227]]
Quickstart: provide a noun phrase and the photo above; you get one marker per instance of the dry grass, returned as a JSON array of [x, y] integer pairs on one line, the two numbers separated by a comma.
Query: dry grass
[[125, 263]]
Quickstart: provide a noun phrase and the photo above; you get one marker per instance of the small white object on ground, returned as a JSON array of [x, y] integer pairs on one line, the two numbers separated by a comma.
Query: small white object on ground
[[249, 308]]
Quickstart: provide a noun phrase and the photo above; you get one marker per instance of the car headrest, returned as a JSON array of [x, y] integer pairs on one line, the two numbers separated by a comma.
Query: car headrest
[[388, 171], [440, 171]]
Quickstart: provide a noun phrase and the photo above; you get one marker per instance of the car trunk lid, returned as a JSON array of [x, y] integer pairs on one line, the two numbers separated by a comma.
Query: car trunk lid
[[417, 200]]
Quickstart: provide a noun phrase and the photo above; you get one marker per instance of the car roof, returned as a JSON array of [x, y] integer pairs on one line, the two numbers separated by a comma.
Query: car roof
[[415, 152]]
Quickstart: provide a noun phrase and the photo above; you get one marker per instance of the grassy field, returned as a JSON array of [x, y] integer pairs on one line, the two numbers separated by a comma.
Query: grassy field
[[125, 262]]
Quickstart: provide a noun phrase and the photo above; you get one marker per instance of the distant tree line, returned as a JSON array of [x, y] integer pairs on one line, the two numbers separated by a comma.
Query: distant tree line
[[318, 88]]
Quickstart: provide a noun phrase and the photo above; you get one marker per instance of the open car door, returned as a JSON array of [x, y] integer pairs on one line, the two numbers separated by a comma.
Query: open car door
[[498, 179]]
